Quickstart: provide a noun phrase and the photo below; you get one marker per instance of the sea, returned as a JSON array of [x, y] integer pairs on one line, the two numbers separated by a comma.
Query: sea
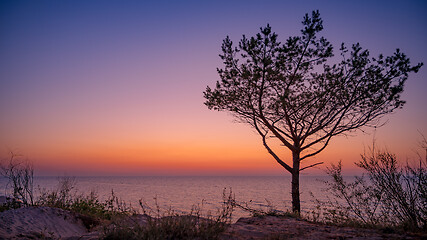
[[181, 194]]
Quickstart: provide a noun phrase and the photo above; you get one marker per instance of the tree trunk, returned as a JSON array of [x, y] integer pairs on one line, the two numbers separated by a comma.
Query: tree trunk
[[296, 208]]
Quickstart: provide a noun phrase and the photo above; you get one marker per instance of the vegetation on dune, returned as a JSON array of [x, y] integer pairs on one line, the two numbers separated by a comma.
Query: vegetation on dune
[[20, 174], [171, 225], [389, 194], [89, 207], [115, 217]]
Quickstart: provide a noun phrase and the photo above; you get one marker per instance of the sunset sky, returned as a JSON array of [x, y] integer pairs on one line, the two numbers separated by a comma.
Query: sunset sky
[[116, 87]]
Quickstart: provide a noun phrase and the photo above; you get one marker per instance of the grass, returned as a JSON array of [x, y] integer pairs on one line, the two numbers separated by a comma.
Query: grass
[[10, 204], [88, 207], [116, 219], [170, 225]]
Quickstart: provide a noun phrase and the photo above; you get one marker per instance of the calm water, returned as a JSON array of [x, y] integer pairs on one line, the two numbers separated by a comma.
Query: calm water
[[181, 193]]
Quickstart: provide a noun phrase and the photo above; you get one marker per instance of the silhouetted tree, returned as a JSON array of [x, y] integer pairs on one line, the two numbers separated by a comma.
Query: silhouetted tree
[[291, 93]]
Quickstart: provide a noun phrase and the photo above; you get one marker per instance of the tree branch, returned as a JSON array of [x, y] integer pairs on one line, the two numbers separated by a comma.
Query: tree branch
[[270, 151], [312, 165]]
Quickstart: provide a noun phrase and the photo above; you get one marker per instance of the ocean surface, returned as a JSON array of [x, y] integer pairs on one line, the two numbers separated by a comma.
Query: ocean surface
[[183, 193]]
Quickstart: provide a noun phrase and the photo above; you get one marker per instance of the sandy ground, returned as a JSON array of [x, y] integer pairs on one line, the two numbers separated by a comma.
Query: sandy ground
[[39, 222], [52, 223], [270, 227]]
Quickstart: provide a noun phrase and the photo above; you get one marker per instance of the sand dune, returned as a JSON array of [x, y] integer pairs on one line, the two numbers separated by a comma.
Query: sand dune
[[39, 222], [53, 223]]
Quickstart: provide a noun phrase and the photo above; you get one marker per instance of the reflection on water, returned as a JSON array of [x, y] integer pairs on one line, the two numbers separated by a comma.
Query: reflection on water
[[181, 193]]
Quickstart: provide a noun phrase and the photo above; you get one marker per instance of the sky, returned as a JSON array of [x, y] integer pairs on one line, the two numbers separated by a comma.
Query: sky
[[116, 87]]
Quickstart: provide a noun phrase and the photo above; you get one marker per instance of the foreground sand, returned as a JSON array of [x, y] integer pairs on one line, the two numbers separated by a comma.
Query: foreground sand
[[39, 222], [53, 223], [270, 227]]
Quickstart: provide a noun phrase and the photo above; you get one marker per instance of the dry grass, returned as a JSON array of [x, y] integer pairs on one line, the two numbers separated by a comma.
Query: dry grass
[[170, 225]]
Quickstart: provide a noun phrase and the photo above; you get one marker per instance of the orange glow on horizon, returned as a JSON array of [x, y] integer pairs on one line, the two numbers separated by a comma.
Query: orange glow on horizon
[[231, 150]]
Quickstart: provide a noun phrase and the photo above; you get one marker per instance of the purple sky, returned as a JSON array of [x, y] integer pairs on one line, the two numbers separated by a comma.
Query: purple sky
[[79, 75]]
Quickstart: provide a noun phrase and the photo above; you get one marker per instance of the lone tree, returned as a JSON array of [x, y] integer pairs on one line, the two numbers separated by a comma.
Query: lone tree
[[291, 95]]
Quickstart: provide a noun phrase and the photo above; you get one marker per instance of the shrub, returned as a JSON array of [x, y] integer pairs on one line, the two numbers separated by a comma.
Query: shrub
[[88, 207], [388, 195], [401, 190], [61, 197], [20, 175]]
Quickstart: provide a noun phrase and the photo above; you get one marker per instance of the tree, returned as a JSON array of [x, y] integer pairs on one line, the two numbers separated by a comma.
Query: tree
[[293, 94]]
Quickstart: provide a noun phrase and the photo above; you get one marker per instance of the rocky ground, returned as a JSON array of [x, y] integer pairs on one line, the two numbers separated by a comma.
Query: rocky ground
[[45, 222]]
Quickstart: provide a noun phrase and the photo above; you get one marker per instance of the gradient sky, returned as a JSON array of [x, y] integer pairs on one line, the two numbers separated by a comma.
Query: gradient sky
[[115, 87]]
